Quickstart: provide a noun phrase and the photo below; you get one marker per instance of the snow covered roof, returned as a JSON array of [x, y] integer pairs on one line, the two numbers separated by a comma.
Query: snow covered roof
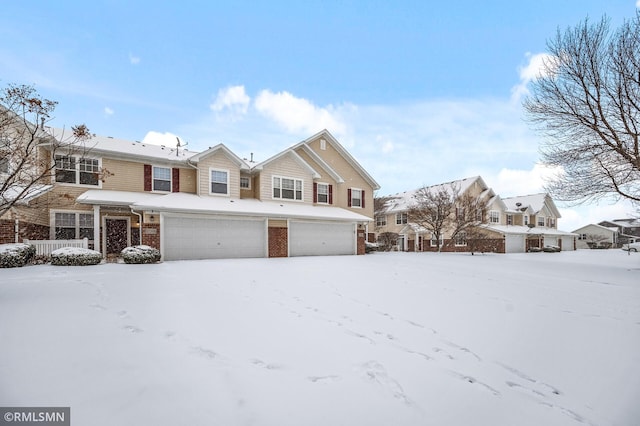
[[115, 198], [536, 201], [191, 203], [221, 147], [537, 230], [120, 148], [612, 229], [405, 200], [35, 191]]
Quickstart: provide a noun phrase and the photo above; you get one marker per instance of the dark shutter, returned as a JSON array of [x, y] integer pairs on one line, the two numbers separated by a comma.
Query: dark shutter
[[147, 177], [349, 197], [362, 202], [175, 180], [330, 194], [315, 192]]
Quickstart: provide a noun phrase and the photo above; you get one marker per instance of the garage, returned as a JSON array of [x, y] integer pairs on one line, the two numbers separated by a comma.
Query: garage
[[202, 237], [515, 243], [321, 238], [567, 242]]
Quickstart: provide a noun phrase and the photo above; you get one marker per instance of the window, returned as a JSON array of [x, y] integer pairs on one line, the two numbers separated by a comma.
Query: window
[[494, 216], [245, 182], [434, 241], [551, 222], [381, 220], [323, 144], [509, 219], [460, 213], [479, 215], [582, 236], [82, 171], [402, 218], [461, 239], [356, 198], [526, 219], [540, 220], [73, 226], [161, 179], [323, 193], [287, 189], [219, 182]]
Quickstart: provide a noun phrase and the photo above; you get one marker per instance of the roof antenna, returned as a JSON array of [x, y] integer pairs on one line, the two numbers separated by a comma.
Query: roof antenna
[[252, 157]]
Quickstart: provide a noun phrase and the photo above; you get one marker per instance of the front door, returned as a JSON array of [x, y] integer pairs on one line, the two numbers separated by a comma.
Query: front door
[[117, 235]]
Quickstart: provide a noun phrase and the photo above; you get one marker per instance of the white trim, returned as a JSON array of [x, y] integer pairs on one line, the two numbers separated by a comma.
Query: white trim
[[317, 194], [213, 169], [76, 159], [96, 228], [273, 197], [361, 198], [153, 186], [52, 222]]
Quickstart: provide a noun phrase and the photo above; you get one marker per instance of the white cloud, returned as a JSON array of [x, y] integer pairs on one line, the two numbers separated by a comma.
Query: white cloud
[[298, 114], [108, 111], [534, 69], [638, 3], [157, 138], [512, 182], [233, 100], [134, 60]]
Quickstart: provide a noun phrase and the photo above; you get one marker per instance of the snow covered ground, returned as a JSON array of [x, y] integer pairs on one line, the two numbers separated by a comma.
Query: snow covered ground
[[382, 339]]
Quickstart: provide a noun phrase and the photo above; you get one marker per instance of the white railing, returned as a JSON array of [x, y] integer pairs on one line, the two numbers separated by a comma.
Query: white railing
[[45, 247]]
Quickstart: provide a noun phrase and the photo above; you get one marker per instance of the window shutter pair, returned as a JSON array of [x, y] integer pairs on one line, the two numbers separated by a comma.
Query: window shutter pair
[[148, 178], [315, 193]]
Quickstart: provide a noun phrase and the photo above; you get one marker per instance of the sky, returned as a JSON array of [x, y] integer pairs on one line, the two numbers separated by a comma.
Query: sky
[[419, 92]]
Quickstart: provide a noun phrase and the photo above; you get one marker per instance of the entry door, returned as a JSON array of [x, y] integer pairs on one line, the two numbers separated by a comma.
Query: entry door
[[117, 235]]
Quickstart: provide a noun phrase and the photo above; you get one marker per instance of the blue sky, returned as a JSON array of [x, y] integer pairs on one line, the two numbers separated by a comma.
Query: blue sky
[[420, 92]]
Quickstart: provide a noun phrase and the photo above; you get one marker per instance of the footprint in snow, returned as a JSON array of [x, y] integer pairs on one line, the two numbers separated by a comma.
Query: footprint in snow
[[267, 366], [376, 373], [323, 379], [204, 352], [132, 329]]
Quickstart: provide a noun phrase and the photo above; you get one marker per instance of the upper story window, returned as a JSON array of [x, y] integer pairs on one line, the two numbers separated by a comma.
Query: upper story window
[[219, 182], [540, 220], [287, 188], [322, 193], [356, 197], [162, 179], [245, 182], [381, 220], [402, 218], [551, 222], [526, 219], [81, 171], [494, 216], [509, 219]]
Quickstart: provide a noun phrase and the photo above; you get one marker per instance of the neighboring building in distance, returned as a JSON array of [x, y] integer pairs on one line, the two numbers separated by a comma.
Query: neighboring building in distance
[[628, 229], [509, 225], [597, 236], [311, 199]]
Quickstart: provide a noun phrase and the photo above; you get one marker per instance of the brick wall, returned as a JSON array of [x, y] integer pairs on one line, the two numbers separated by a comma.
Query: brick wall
[[278, 242], [361, 242], [151, 235], [30, 231]]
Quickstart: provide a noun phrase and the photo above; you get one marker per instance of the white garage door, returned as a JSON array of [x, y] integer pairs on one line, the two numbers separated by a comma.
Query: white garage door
[[186, 237], [321, 238], [567, 243], [514, 243]]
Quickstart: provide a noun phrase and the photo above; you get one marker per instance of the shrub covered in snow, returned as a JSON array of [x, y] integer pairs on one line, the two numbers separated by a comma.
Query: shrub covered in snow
[[140, 254], [16, 255], [75, 256]]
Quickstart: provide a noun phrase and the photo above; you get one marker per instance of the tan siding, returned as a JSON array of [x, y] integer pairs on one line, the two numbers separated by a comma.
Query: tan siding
[[287, 167], [188, 180], [221, 162], [277, 223], [59, 198], [123, 175]]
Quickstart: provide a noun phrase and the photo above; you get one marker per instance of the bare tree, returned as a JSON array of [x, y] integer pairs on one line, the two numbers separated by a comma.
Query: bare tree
[[24, 167], [434, 209], [587, 103]]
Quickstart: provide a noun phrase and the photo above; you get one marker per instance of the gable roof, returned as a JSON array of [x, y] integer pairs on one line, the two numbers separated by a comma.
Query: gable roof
[[405, 200], [613, 230], [295, 156], [343, 152], [536, 201], [226, 151]]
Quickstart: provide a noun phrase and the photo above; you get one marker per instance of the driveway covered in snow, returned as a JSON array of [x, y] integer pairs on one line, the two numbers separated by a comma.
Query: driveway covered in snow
[[382, 339]]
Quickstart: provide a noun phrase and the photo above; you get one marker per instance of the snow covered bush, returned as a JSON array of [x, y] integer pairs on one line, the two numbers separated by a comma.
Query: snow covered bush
[[16, 255], [75, 256], [140, 254]]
